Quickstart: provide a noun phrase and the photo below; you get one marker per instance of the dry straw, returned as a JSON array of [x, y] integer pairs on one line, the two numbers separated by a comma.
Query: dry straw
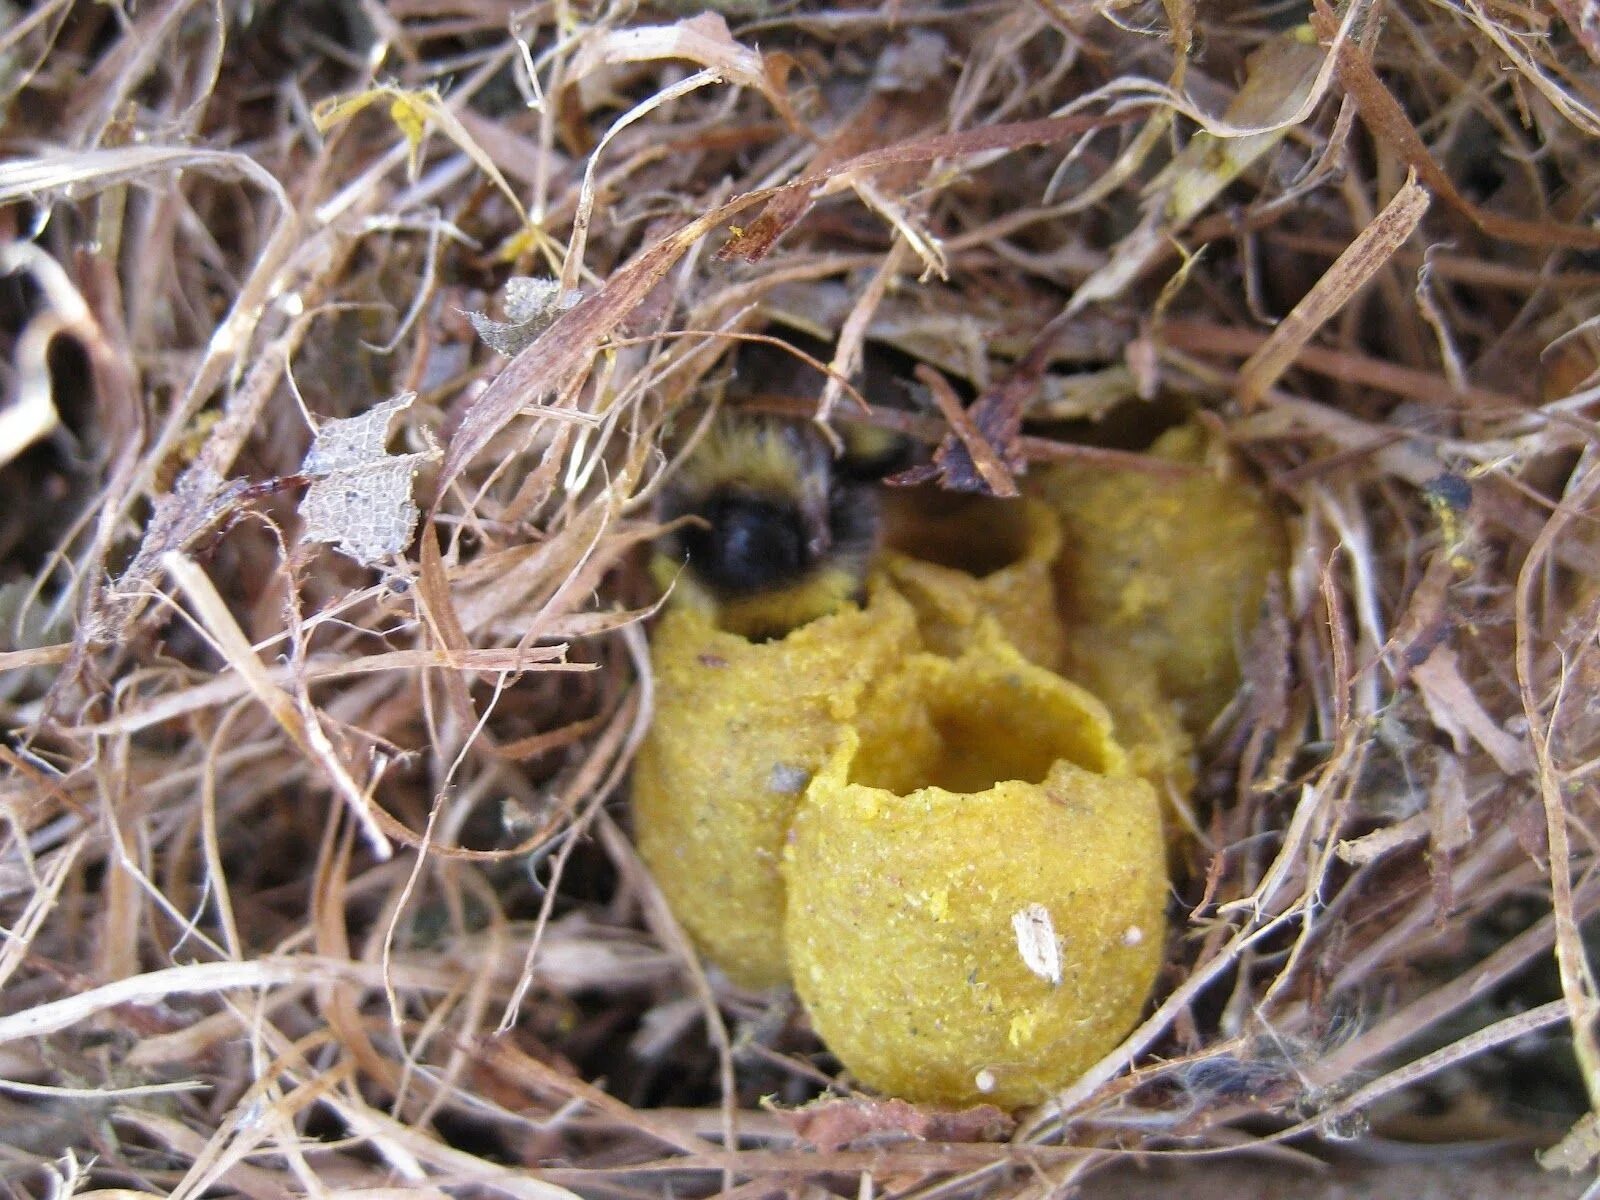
[[313, 878]]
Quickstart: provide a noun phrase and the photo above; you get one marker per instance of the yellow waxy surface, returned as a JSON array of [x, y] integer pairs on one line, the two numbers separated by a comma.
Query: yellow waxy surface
[[985, 944], [1172, 569], [1020, 593], [955, 853], [830, 590], [739, 729], [1159, 748]]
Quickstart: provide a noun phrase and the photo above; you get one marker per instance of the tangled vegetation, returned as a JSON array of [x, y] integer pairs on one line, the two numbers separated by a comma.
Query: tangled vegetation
[[344, 345]]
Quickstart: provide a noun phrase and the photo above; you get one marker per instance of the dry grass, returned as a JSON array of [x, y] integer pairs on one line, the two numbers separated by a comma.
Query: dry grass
[[312, 876]]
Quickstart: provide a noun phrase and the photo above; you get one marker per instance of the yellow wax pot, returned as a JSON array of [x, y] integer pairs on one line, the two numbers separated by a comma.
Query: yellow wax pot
[[976, 883], [1012, 580], [955, 853], [1009, 579], [1169, 570], [740, 727], [1160, 749]]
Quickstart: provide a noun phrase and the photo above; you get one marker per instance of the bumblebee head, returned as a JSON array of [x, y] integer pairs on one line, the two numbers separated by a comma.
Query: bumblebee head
[[743, 544], [773, 533]]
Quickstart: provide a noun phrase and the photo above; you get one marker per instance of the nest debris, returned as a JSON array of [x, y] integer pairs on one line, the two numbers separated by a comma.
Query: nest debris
[[309, 875]]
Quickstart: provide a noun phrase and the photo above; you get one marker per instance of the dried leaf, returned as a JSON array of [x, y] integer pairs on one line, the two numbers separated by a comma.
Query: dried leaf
[[984, 438], [360, 495], [1369, 847], [86, 171], [530, 305], [1282, 76], [993, 423], [367, 512], [1577, 1149], [1456, 709], [702, 39], [794, 199]]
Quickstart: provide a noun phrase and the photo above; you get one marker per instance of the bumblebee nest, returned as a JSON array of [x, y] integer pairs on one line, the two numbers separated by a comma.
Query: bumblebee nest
[[313, 874]]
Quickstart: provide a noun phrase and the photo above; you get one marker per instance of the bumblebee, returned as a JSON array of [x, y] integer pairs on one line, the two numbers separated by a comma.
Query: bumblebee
[[773, 530]]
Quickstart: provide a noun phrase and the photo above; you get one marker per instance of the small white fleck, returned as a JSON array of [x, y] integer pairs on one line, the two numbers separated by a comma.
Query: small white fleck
[[292, 303], [1132, 935], [985, 1081], [1037, 943], [787, 779]]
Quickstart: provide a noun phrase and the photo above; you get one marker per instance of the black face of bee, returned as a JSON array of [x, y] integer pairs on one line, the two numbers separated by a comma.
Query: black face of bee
[[746, 544], [771, 531]]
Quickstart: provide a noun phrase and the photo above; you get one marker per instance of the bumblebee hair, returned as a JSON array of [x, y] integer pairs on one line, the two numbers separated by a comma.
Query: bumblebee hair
[[772, 531]]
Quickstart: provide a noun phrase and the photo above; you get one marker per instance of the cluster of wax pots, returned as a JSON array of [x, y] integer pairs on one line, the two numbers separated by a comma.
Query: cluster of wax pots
[[940, 814]]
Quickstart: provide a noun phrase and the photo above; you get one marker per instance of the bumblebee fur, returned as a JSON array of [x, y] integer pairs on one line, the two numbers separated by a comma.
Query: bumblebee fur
[[772, 529]]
